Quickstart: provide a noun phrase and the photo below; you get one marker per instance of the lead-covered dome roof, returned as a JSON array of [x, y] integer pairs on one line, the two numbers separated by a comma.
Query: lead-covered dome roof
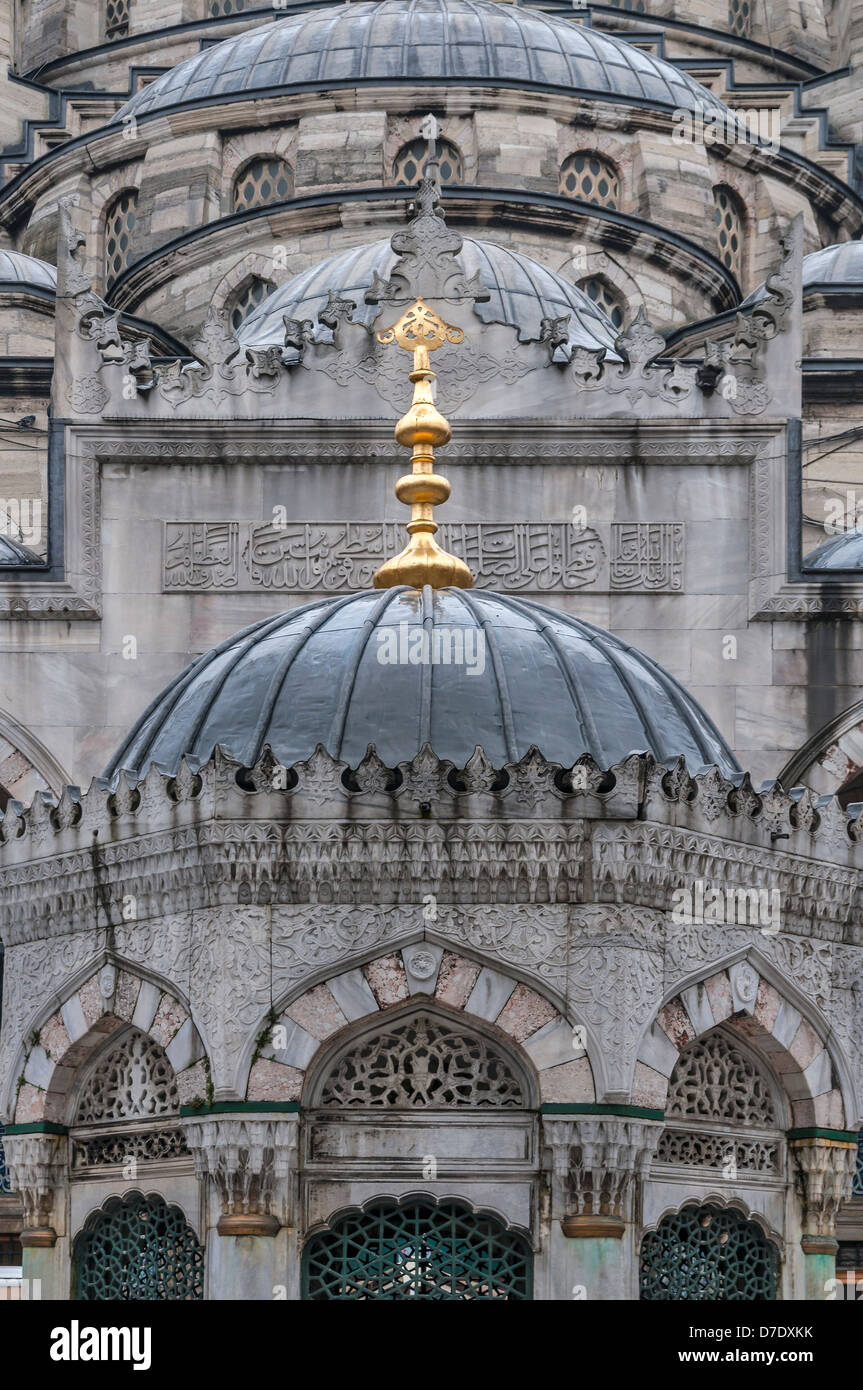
[[16, 268], [522, 293], [338, 672], [413, 39]]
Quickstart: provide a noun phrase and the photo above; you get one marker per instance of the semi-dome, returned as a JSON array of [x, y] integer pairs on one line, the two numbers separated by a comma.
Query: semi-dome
[[406, 40], [842, 552], [339, 672], [522, 292], [18, 269]]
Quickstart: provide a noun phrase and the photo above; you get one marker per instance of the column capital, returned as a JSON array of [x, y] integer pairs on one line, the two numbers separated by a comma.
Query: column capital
[[37, 1165], [825, 1175], [251, 1160], [596, 1162]]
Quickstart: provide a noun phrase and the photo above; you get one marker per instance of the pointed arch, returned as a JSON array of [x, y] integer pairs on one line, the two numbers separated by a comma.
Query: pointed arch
[[280, 1063], [109, 1000], [749, 996], [26, 765]]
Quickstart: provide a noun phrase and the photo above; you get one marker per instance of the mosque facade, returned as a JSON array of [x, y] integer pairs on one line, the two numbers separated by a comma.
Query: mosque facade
[[469, 910]]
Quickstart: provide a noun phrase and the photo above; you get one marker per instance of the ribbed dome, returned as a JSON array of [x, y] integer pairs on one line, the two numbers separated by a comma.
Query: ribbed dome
[[16, 268], [522, 293], [320, 674], [842, 552], [410, 39]]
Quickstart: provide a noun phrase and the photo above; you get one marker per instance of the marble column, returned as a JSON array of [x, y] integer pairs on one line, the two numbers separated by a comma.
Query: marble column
[[825, 1172]]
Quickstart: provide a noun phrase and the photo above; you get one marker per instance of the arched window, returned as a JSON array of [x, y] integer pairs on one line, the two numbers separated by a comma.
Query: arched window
[[138, 1247], [422, 1062], [263, 180], [410, 162], [218, 8], [417, 1248], [729, 229], [119, 228], [740, 17], [707, 1252], [720, 1113], [604, 297], [591, 178], [252, 293], [129, 1083], [116, 19]]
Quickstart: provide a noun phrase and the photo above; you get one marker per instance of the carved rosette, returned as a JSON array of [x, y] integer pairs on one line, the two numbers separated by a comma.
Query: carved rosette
[[37, 1165], [251, 1161], [596, 1164], [825, 1173]]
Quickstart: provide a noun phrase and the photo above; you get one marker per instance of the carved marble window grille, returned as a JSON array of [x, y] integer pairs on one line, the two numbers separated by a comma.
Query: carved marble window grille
[[590, 178], [740, 17], [410, 162], [604, 297], [729, 230], [119, 229], [690, 1149], [116, 19], [713, 1080], [115, 1150], [422, 1063], [265, 179], [134, 1080], [253, 293]]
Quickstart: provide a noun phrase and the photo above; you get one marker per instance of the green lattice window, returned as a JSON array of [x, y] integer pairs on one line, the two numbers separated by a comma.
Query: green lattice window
[[590, 178], [410, 162], [265, 179], [138, 1247], [416, 1249], [707, 1252], [858, 1175], [119, 227]]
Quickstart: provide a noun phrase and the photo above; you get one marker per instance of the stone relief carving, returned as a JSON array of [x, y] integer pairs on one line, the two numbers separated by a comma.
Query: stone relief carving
[[304, 556]]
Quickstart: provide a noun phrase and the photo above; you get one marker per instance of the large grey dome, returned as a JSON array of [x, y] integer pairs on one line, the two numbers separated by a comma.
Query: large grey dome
[[319, 674], [414, 39], [522, 293]]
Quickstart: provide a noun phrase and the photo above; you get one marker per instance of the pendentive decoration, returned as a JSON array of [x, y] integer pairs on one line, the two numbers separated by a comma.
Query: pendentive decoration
[[423, 429]]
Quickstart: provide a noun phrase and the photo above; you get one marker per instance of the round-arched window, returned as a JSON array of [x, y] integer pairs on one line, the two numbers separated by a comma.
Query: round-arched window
[[740, 17], [116, 19], [263, 180], [705, 1253], [119, 226], [416, 1249], [590, 178], [410, 162], [138, 1247], [249, 296], [729, 229], [604, 297]]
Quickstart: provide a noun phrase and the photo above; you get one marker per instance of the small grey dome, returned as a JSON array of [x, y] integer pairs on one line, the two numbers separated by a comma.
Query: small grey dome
[[410, 39], [13, 553], [842, 552], [832, 266], [338, 672], [16, 268], [522, 293]]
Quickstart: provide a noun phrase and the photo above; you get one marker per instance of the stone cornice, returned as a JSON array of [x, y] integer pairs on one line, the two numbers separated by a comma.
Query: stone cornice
[[532, 832]]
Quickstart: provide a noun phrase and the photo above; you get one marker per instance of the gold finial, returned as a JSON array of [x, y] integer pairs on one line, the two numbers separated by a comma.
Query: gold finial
[[423, 429]]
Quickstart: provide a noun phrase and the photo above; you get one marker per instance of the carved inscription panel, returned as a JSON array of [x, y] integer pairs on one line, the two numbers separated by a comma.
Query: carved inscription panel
[[341, 556]]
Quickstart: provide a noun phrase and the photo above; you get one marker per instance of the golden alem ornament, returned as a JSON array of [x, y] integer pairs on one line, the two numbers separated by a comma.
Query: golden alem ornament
[[423, 429]]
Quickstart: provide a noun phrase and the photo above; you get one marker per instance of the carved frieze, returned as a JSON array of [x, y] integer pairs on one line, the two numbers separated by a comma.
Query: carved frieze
[[340, 556]]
